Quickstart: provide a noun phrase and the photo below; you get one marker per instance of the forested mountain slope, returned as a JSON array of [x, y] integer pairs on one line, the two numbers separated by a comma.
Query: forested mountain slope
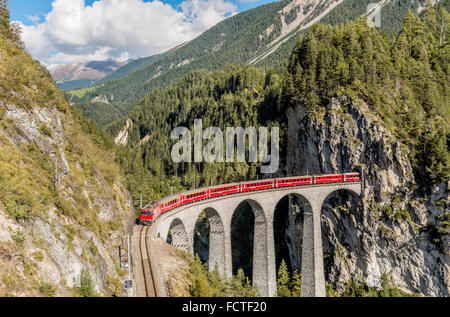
[[63, 201], [349, 97], [126, 70], [262, 36]]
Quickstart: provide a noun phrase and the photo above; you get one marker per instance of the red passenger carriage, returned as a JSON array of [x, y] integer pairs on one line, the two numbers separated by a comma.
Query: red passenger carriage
[[152, 211]]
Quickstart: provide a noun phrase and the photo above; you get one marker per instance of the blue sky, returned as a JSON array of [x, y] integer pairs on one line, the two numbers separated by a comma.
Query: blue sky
[[73, 31], [21, 10]]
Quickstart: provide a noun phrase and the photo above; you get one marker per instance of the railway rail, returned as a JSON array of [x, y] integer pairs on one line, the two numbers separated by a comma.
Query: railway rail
[[148, 267]]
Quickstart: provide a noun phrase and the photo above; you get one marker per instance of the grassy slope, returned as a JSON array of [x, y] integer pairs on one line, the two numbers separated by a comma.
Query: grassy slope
[[27, 176]]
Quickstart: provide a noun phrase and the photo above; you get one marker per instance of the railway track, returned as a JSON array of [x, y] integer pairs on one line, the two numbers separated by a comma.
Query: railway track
[[148, 268]]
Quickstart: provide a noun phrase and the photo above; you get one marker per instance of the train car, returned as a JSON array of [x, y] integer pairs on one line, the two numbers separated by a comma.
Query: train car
[[324, 179], [170, 203], [294, 181], [352, 177], [152, 211], [146, 217], [222, 190], [194, 195], [258, 185]]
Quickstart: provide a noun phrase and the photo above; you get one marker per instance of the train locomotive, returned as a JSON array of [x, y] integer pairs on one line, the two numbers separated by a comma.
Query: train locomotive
[[152, 211]]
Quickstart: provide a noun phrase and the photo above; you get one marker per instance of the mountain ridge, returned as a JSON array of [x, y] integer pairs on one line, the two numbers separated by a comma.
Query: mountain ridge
[[254, 36]]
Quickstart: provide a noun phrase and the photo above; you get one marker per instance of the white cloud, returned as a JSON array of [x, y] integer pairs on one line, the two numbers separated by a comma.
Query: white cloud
[[73, 32]]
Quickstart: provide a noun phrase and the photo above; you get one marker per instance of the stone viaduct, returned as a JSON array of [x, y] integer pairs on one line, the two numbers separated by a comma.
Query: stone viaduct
[[182, 220]]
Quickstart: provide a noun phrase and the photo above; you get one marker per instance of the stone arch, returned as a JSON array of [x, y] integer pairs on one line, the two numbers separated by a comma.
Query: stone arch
[[260, 252], [288, 229], [216, 253], [178, 234], [339, 224]]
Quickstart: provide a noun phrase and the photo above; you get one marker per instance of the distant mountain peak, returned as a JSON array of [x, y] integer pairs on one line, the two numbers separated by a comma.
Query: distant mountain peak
[[89, 70]]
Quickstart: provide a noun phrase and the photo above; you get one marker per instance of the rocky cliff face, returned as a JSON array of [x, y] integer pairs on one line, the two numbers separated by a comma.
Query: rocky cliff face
[[391, 230], [63, 204], [53, 243]]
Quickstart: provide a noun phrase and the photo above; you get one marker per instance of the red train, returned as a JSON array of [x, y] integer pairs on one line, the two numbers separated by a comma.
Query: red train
[[153, 210]]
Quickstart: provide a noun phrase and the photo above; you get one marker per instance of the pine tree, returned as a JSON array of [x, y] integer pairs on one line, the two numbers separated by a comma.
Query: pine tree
[[4, 17], [10, 30], [296, 284], [283, 281]]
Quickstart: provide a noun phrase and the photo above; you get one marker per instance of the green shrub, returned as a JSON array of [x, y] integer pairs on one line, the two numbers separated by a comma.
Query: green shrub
[[93, 248], [86, 288], [45, 130], [38, 256], [47, 289], [15, 210], [64, 206], [359, 289], [71, 232], [113, 286], [288, 286], [19, 237], [212, 284]]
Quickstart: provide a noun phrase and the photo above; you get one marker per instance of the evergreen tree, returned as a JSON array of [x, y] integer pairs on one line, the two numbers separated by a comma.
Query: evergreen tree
[[9, 30], [283, 281]]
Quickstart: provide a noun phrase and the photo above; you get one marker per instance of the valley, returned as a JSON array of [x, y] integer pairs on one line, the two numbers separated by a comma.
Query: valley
[[77, 165]]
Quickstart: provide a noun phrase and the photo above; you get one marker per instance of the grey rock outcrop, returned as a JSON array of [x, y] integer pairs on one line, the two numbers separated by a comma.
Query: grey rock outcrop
[[54, 247], [390, 230]]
